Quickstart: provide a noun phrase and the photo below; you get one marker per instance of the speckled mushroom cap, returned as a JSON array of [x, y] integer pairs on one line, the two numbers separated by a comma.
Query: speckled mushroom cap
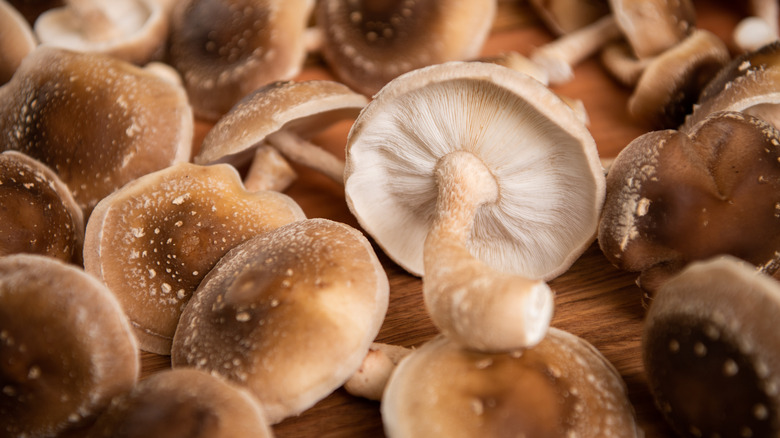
[[182, 403], [562, 387], [304, 108], [66, 348], [132, 30], [16, 40], [289, 314], [98, 122], [711, 350], [653, 26], [673, 198], [225, 49], [38, 215], [542, 156], [368, 43], [153, 241]]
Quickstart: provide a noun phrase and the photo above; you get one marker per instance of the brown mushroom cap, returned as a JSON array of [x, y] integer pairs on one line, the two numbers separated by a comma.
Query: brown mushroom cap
[[290, 314], [562, 387], [154, 240], [673, 198], [66, 348], [368, 43], [711, 350], [226, 49], [38, 215], [182, 403], [16, 40], [96, 121], [653, 26]]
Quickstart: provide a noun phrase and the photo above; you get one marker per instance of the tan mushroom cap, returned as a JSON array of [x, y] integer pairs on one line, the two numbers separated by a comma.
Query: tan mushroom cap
[[38, 213], [289, 314], [562, 387], [368, 43], [132, 30], [653, 26], [154, 240], [16, 40], [226, 49], [673, 198], [182, 403], [564, 16], [66, 348], [711, 350], [98, 122]]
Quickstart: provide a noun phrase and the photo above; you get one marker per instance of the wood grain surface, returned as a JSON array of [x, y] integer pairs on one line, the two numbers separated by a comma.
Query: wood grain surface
[[593, 299]]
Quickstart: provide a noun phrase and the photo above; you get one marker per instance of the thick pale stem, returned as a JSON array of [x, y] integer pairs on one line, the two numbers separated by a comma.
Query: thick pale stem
[[767, 10], [301, 151], [371, 378], [760, 28], [475, 305], [96, 25], [621, 63], [269, 171]]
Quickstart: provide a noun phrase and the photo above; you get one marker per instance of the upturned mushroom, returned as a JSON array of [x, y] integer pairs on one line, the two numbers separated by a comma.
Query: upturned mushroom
[[155, 239], [481, 180], [16, 40], [711, 351], [282, 116], [38, 215], [132, 30], [182, 403], [289, 314], [675, 197], [226, 49], [66, 348], [98, 122], [562, 387]]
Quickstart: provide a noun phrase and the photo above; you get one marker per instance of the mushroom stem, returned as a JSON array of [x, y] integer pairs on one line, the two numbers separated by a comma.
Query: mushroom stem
[[475, 305], [370, 379], [269, 171], [621, 63], [304, 152], [558, 57], [96, 24], [760, 28]]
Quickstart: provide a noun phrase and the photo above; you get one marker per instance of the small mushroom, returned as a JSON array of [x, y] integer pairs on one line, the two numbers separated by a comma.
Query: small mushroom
[[673, 198], [481, 180], [98, 122], [368, 43], [565, 16], [182, 403], [155, 239], [38, 215], [760, 28], [16, 40], [283, 115], [226, 49], [132, 30], [711, 351], [562, 387], [289, 314], [66, 348]]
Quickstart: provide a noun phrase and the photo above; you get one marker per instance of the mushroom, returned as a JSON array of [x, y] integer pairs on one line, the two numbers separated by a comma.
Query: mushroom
[[289, 314], [711, 351], [16, 40], [370, 380], [38, 215], [673, 198], [654, 26], [368, 43], [565, 16], [131, 30], [481, 180], [32, 9], [758, 29], [562, 387], [282, 115], [155, 239], [66, 348], [182, 403], [226, 49], [96, 121]]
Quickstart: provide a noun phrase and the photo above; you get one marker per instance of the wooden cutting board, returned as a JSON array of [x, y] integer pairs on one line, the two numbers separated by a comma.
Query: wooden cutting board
[[593, 299]]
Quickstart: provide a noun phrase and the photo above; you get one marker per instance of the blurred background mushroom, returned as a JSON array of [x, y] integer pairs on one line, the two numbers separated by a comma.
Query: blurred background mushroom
[[31, 9], [564, 16], [760, 27], [16, 40]]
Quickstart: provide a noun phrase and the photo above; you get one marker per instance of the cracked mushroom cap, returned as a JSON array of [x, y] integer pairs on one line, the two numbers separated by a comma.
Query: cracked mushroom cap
[[562, 387], [711, 351], [225, 49], [98, 122], [541, 155], [16, 40], [38, 215], [182, 403], [368, 43], [66, 348], [673, 198], [154, 240], [653, 26], [289, 314]]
